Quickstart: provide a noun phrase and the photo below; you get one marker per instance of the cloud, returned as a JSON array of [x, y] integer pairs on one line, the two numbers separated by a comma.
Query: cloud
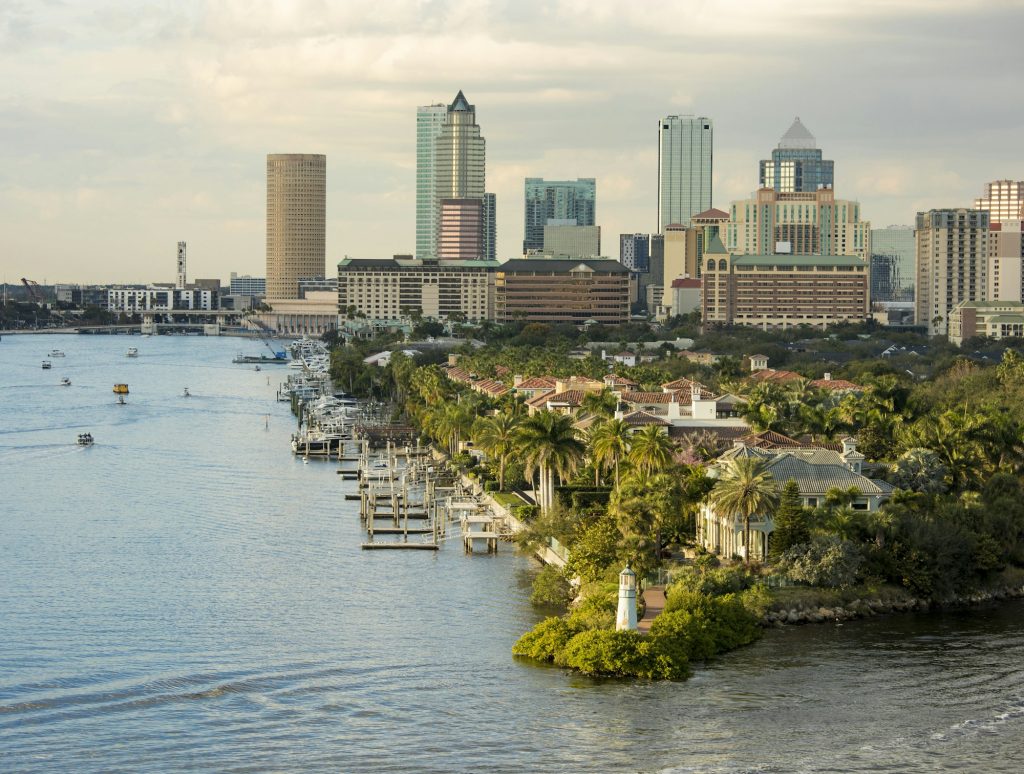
[[134, 125]]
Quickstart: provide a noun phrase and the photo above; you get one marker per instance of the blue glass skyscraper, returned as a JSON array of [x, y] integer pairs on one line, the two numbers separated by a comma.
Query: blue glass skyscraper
[[796, 165]]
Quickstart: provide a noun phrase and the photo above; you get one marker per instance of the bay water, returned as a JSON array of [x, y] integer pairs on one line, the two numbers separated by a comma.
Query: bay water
[[185, 595]]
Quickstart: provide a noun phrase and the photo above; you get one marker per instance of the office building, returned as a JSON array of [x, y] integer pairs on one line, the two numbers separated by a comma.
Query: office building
[[782, 291], [461, 235], [892, 264], [994, 319], [563, 239], [160, 298], [310, 285], [952, 263], [395, 288], [1003, 200], [429, 120], [796, 165], [797, 223], [570, 202], [296, 214], [245, 285], [450, 164], [635, 251], [490, 226], [553, 291], [684, 168]]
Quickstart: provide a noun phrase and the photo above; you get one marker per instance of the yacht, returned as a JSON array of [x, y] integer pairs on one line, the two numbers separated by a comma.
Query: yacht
[[85, 439], [47, 364], [65, 382], [56, 353], [132, 352]]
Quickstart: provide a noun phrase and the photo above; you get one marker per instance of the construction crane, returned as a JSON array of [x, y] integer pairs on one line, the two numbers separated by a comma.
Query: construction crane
[[33, 290], [266, 334], [36, 295]]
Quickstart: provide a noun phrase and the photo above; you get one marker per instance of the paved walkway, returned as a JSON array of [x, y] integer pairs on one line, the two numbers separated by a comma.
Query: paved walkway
[[654, 602]]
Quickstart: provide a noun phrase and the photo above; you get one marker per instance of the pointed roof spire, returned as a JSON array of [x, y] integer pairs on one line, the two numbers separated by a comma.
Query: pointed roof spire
[[797, 136], [461, 104]]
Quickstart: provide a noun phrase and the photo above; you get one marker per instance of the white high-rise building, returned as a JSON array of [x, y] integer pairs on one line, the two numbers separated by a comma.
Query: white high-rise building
[[952, 263], [684, 168]]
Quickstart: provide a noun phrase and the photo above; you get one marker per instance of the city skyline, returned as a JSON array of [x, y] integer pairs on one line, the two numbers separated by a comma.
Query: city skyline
[[152, 126]]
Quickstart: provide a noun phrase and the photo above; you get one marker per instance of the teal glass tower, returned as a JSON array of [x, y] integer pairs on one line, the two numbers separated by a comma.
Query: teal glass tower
[[429, 120]]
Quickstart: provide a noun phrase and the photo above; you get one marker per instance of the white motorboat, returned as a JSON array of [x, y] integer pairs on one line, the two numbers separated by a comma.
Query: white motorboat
[[85, 439], [186, 393], [47, 364], [56, 353], [65, 382], [132, 352]]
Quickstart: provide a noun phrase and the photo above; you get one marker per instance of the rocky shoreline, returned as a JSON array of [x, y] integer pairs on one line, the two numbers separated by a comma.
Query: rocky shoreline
[[867, 608]]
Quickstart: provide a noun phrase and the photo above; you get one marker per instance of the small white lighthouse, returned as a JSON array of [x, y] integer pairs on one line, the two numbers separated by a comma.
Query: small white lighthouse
[[626, 616]]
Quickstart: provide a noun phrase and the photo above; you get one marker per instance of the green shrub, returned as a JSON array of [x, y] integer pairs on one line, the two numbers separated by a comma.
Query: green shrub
[[490, 486], [826, 561], [546, 640], [550, 588], [525, 512], [595, 612]]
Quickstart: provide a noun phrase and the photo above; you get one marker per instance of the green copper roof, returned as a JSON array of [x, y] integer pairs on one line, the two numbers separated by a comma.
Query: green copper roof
[[715, 246]]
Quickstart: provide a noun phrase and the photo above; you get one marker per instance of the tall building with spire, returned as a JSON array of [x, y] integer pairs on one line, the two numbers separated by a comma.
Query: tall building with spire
[[796, 165], [684, 168], [450, 165]]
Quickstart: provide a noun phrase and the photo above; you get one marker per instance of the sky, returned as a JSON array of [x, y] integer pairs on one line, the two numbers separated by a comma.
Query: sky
[[127, 126]]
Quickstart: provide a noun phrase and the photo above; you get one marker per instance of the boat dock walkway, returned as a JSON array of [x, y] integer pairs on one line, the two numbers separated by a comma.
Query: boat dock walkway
[[654, 605]]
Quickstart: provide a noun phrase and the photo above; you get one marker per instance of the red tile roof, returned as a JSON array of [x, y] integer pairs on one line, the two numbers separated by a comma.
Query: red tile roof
[[537, 383], [648, 397], [686, 282], [714, 212], [838, 385], [642, 418], [771, 375]]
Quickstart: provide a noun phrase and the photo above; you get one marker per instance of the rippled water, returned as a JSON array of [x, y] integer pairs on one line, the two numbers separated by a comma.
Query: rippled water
[[185, 595]]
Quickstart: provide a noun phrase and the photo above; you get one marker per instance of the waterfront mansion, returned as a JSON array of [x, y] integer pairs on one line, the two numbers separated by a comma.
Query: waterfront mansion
[[816, 471]]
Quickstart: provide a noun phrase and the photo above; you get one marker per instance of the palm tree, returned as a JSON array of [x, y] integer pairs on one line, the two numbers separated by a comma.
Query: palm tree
[[745, 488], [601, 404], [651, 451], [550, 447], [498, 437], [609, 445]]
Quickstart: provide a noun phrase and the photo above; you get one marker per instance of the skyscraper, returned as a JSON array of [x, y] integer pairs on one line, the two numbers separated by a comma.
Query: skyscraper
[[796, 165], [952, 263], [1004, 200], [451, 152], [562, 200], [461, 235], [684, 168], [429, 120], [296, 214], [490, 224], [634, 251], [892, 263]]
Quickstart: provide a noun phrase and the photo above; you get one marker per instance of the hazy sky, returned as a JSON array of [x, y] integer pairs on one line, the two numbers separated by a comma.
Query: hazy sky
[[126, 126]]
